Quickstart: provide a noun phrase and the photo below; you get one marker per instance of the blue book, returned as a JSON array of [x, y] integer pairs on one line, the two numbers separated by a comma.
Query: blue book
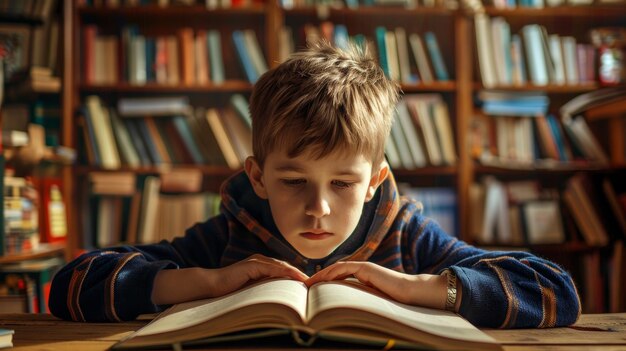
[[341, 37], [382, 49], [185, 132], [142, 128], [150, 59], [244, 56], [441, 72], [215, 56], [558, 138]]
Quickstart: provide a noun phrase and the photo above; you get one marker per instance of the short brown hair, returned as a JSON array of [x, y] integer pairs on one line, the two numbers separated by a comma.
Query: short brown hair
[[321, 100]]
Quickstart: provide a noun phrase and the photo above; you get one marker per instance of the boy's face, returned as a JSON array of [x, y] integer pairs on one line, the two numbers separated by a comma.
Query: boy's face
[[316, 204]]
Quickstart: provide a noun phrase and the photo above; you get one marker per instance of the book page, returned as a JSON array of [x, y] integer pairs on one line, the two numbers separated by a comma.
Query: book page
[[286, 292], [354, 295]]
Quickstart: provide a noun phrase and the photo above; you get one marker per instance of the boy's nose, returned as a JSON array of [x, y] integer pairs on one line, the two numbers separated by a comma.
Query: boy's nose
[[317, 206]]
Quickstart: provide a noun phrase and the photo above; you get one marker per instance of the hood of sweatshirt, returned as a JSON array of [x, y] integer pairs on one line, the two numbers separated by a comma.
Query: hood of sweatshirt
[[241, 204]]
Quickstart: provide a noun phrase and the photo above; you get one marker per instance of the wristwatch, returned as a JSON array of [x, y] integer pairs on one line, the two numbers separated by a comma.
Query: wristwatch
[[451, 291]]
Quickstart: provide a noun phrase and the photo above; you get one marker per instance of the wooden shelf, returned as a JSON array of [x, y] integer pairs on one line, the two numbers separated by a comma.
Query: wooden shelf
[[550, 88], [429, 170], [373, 11], [595, 11], [154, 11], [123, 88], [551, 168], [440, 86], [20, 19], [217, 171], [570, 246], [45, 250]]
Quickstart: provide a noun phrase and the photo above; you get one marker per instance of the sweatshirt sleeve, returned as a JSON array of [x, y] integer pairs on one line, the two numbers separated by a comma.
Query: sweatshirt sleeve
[[115, 284], [500, 289]]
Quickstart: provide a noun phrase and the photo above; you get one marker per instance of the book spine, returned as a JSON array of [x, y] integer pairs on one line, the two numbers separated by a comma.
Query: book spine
[[244, 56]]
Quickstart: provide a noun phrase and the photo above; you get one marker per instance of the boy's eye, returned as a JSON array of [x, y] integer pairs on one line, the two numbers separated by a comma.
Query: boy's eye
[[342, 184], [293, 182]]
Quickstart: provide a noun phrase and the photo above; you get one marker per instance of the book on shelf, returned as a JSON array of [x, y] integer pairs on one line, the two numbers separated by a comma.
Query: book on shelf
[[436, 57], [216, 123], [542, 222], [341, 310], [6, 338], [580, 201], [38, 275], [438, 203], [52, 210], [421, 59], [245, 56]]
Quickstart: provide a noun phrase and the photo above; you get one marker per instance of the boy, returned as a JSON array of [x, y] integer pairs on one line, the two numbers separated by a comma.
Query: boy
[[318, 202]]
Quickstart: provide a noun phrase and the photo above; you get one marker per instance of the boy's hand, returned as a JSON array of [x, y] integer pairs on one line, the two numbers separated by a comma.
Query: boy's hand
[[225, 280], [423, 290], [180, 285]]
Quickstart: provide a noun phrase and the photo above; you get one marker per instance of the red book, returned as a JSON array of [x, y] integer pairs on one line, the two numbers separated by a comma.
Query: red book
[[52, 210]]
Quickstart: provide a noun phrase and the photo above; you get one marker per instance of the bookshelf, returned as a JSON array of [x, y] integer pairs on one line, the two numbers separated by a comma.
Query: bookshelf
[[36, 153], [455, 31], [595, 267]]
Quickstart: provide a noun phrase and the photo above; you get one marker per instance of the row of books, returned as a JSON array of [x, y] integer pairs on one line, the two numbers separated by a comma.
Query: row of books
[[210, 4], [16, 118], [438, 203], [187, 57], [123, 207], [355, 4], [33, 8], [539, 4], [532, 56], [144, 132], [34, 212], [21, 216], [25, 285], [515, 129], [421, 134], [592, 211], [405, 57]]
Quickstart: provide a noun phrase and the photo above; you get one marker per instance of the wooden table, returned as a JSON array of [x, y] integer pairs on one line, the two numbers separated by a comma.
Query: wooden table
[[44, 332]]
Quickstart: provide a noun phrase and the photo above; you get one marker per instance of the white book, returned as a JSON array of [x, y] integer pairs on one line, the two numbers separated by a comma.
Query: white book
[[103, 132], [421, 111], [392, 56], [412, 137], [398, 137], [500, 48], [486, 63], [403, 55], [535, 55], [137, 64], [444, 132], [392, 153], [557, 57], [154, 106], [421, 59], [570, 59]]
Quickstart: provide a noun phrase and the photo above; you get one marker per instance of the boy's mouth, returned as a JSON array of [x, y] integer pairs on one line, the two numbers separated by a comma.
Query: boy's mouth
[[316, 235]]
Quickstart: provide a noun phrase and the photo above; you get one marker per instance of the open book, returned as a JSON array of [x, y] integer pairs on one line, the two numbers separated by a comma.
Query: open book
[[344, 311]]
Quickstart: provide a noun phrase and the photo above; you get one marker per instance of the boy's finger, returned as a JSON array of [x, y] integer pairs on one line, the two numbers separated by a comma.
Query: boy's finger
[[275, 269]]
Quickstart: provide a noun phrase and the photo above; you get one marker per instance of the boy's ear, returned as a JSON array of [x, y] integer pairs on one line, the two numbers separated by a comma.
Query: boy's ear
[[255, 174], [377, 178]]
